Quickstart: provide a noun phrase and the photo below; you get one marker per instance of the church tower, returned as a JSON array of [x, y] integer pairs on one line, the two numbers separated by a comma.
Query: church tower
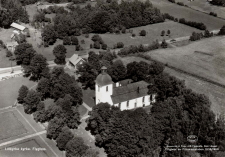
[[103, 87]]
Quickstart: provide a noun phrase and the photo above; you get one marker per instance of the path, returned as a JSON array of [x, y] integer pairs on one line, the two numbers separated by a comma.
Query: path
[[22, 138]]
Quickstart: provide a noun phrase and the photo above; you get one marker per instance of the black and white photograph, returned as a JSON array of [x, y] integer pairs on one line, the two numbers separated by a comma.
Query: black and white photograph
[[112, 78]]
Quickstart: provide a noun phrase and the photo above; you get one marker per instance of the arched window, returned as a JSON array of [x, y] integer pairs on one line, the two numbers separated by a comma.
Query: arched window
[[99, 88], [106, 88], [128, 103]]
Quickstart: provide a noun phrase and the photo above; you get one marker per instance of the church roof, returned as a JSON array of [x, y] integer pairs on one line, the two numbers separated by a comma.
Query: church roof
[[123, 82], [103, 78], [129, 92]]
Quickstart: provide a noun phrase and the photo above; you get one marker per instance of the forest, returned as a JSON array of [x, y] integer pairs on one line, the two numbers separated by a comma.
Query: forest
[[105, 17]]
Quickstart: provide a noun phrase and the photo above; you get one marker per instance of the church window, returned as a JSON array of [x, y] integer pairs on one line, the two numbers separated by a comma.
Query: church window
[[106, 88], [143, 99], [150, 97], [119, 105], [128, 103], [135, 104], [99, 88]]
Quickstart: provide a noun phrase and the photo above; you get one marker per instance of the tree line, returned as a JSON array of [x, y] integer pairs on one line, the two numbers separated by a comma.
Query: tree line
[[198, 25], [101, 19], [177, 113], [218, 2]]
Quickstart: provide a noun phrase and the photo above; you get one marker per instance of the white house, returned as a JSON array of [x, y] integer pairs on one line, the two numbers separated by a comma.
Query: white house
[[74, 62], [19, 28], [123, 94]]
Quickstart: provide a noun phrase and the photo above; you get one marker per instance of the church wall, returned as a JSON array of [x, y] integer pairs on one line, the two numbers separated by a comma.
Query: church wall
[[102, 95]]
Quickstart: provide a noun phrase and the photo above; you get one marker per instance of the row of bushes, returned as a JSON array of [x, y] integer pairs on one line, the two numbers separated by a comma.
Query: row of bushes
[[213, 14], [198, 25], [197, 36], [136, 49]]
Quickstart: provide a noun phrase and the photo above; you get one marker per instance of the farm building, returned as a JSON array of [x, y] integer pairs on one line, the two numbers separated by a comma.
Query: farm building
[[11, 46], [124, 94], [19, 28], [74, 62]]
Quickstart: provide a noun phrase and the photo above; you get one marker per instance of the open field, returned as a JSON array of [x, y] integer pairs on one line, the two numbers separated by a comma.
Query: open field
[[30, 144], [209, 63], [9, 90], [189, 14], [205, 6], [4, 61], [153, 34], [10, 126]]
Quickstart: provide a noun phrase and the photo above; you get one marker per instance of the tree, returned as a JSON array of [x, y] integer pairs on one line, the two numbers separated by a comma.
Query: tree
[[168, 32], [117, 71], [24, 53], [40, 114], [66, 41], [49, 34], [64, 137], [59, 52], [104, 46], [122, 133], [164, 44], [143, 33], [76, 147], [163, 33], [120, 45], [222, 31], [22, 94], [96, 45], [38, 68], [74, 40], [44, 87], [55, 126], [31, 101]]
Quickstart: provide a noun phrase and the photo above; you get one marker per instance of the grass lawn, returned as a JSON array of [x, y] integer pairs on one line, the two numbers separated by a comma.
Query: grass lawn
[[4, 61], [205, 6], [189, 14], [9, 90], [10, 126], [153, 33], [186, 58], [29, 144]]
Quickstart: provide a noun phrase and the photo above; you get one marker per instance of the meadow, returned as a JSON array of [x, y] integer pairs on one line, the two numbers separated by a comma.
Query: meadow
[[14, 129], [204, 6], [209, 63], [153, 34], [9, 90], [212, 23]]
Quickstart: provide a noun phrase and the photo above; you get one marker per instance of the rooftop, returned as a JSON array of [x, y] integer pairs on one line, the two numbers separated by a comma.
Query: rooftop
[[75, 59], [129, 92], [17, 26]]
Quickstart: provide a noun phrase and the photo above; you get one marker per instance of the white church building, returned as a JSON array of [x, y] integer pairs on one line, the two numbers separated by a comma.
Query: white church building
[[124, 94]]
